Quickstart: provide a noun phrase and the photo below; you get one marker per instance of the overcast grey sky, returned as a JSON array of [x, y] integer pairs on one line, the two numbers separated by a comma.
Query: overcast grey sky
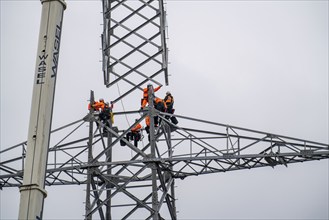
[[256, 64]]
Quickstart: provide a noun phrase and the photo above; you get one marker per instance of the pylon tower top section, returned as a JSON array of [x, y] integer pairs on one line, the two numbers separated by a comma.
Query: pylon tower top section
[[134, 43]]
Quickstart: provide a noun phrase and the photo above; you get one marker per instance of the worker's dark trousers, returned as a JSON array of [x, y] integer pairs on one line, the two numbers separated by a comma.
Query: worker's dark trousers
[[133, 136]]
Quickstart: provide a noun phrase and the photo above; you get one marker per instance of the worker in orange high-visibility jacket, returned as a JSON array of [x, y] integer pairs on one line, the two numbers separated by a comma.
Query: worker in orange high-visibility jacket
[[169, 100], [135, 134], [107, 114], [146, 96], [160, 105], [97, 106], [137, 128]]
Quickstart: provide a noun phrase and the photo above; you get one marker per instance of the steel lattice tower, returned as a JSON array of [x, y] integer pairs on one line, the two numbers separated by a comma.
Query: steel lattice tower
[[141, 184]]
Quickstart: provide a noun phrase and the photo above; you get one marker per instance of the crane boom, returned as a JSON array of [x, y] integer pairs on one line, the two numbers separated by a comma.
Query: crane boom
[[32, 191]]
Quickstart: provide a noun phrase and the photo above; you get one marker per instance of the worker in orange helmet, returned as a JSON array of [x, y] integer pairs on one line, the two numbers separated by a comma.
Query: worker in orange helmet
[[146, 95]]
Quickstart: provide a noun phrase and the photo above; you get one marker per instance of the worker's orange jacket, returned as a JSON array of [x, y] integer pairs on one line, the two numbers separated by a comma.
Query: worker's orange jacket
[[160, 104], [157, 100], [146, 91], [136, 128], [98, 105], [146, 95]]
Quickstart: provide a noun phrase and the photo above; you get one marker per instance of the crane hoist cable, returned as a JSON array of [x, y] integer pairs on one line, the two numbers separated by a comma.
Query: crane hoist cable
[[123, 107], [124, 110]]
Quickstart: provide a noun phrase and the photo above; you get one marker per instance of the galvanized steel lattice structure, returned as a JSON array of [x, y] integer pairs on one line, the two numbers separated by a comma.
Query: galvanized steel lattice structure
[[125, 182]]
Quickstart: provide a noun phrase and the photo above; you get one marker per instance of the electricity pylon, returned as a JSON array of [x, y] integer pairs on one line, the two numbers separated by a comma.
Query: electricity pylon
[[138, 182]]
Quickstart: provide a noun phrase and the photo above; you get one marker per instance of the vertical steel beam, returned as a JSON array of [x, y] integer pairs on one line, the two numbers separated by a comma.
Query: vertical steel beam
[[32, 191], [155, 203], [170, 155], [109, 172], [163, 40], [106, 39], [90, 158]]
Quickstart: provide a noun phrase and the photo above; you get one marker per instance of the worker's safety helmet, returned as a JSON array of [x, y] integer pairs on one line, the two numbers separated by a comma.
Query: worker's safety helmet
[[168, 93], [107, 104]]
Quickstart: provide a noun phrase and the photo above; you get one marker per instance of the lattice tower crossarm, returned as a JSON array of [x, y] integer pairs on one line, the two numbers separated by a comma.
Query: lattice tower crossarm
[[181, 151]]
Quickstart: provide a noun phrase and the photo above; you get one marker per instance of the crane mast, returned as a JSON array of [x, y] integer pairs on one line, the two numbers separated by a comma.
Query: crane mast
[[32, 190]]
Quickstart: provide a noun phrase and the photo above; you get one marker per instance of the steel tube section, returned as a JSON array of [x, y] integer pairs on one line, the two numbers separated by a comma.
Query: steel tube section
[[97, 200], [151, 114], [68, 125], [90, 158], [137, 49], [109, 172], [175, 161], [56, 145], [119, 23], [15, 146], [134, 31], [163, 41], [135, 68], [32, 191], [324, 154], [121, 188], [106, 41], [139, 14], [120, 137], [135, 86], [242, 129], [149, 40]]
